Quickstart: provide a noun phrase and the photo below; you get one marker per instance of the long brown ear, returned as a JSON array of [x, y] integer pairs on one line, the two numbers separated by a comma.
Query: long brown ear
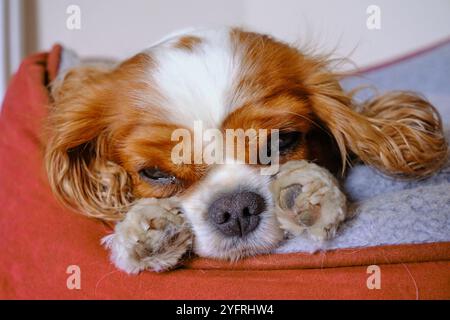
[[399, 133], [76, 156]]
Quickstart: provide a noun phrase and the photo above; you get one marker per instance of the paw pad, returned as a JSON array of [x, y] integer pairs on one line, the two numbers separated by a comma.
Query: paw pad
[[308, 199], [152, 236]]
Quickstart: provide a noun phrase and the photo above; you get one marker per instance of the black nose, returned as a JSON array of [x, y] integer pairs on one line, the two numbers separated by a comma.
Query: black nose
[[237, 214]]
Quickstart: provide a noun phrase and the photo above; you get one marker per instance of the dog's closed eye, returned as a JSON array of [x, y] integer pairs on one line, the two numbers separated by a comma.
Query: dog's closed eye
[[289, 140], [155, 175]]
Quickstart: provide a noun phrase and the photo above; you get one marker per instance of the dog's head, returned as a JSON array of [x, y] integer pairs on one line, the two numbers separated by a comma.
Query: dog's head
[[111, 132]]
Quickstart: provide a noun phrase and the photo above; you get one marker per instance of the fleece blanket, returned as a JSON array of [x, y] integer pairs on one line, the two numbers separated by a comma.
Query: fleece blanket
[[385, 211], [388, 211]]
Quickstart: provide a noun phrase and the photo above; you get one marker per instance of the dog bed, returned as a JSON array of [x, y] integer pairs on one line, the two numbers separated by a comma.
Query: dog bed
[[406, 226]]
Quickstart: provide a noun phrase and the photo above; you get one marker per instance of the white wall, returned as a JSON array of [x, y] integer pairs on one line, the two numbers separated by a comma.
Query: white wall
[[119, 28]]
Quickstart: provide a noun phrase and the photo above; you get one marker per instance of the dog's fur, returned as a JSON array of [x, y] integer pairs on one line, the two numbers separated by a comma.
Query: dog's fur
[[107, 124]]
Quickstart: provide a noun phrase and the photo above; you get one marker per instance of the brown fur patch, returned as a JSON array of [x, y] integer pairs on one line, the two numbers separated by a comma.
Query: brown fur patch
[[188, 42], [276, 97]]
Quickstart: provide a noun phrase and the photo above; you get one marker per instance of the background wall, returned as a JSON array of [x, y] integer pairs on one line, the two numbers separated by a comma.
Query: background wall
[[119, 28]]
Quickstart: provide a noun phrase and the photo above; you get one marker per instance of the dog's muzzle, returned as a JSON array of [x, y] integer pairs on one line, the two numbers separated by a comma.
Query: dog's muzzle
[[237, 213]]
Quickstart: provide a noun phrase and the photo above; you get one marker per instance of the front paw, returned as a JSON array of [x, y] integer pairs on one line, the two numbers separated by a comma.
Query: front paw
[[153, 236], [308, 199]]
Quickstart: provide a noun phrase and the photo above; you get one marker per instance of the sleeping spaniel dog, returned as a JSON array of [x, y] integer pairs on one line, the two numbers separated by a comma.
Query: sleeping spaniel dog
[[110, 148]]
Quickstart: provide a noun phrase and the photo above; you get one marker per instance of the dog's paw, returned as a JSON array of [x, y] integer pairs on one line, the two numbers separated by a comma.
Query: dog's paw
[[308, 198], [153, 236]]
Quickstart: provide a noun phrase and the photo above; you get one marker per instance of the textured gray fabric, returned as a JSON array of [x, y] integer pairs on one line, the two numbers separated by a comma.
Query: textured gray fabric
[[364, 182], [416, 215], [388, 211]]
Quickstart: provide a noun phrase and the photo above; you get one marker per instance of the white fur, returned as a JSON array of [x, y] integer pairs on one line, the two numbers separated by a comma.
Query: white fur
[[197, 84]]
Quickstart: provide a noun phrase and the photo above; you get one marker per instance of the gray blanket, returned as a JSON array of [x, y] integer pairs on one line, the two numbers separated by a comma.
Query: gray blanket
[[388, 211]]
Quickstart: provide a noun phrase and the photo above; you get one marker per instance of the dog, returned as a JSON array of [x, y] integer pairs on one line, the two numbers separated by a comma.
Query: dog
[[109, 151]]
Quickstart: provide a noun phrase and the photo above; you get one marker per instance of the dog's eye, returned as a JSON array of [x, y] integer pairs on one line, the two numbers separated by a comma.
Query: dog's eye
[[289, 140], [155, 175]]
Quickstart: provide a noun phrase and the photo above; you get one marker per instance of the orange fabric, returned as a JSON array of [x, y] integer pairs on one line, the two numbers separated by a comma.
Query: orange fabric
[[39, 239], [336, 258]]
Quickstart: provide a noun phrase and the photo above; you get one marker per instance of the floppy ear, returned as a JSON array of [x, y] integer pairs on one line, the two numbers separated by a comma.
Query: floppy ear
[[399, 133], [77, 160]]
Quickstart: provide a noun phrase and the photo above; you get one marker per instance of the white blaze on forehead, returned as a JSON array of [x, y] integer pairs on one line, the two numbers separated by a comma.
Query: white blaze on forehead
[[196, 84]]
